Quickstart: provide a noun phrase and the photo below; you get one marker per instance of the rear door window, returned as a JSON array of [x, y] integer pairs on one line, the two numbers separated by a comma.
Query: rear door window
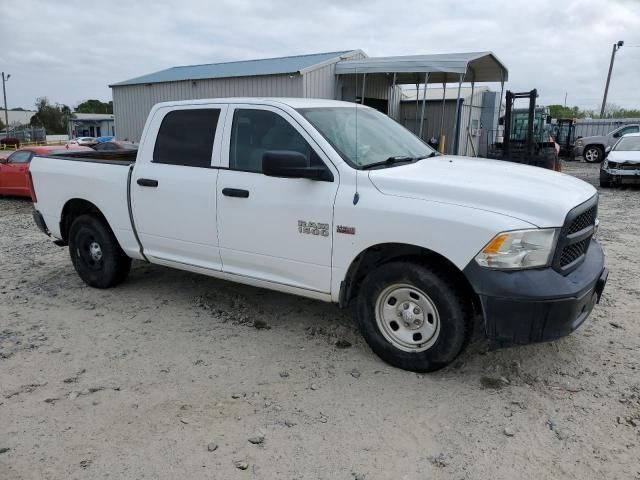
[[186, 137]]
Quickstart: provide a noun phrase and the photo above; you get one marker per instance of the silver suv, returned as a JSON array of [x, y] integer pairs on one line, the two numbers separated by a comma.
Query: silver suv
[[594, 148]]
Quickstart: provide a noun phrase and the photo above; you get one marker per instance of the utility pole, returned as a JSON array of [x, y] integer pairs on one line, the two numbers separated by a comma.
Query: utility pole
[[6, 108], [616, 47]]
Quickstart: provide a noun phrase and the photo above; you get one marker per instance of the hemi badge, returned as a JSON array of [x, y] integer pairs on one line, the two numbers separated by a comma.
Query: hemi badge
[[346, 230]]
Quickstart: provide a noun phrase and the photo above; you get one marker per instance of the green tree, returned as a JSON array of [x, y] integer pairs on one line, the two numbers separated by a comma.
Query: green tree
[[94, 106], [560, 111], [616, 111], [54, 118]]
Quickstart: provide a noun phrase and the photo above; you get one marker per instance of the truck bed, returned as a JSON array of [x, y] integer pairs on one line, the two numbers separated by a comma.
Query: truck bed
[[100, 178], [116, 157]]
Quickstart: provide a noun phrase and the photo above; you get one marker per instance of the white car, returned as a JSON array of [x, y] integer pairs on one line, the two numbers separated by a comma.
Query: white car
[[336, 202], [622, 165], [84, 141]]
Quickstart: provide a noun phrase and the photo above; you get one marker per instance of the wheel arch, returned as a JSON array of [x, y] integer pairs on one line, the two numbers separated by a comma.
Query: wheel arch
[[72, 209], [379, 254]]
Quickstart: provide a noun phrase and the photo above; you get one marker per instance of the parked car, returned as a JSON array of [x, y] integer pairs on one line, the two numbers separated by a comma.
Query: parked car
[[286, 194], [83, 141], [104, 139], [622, 165], [14, 169], [12, 141], [115, 145], [592, 149]]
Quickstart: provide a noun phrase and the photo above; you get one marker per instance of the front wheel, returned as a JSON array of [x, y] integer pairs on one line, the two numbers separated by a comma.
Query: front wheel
[[593, 154], [605, 180], [413, 317], [96, 254]]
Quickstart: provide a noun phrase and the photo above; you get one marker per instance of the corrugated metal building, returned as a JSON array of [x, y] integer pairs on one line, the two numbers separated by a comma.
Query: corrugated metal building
[[345, 75], [479, 112], [310, 76]]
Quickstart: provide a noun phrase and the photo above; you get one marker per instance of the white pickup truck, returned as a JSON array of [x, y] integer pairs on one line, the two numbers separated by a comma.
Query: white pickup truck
[[337, 202]]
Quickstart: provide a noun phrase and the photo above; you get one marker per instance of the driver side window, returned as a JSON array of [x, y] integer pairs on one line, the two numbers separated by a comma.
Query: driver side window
[[255, 132], [19, 157]]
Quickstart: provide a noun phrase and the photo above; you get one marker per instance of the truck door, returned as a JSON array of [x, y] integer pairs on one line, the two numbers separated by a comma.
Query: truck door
[[274, 229], [173, 186]]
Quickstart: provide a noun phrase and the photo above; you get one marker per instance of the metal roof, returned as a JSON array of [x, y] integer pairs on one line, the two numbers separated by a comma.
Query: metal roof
[[478, 66], [246, 68]]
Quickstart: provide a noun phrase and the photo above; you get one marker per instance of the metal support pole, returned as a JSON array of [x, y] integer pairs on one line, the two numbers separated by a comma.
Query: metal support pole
[[6, 107], [444, 93], [424, 101], [616, 47], [393, 96], [469, 139], [417, 100], [336, 88], [456, 138], [364, 83]]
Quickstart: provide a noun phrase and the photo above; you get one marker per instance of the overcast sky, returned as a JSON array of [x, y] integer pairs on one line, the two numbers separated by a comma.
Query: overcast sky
[[71, 50]]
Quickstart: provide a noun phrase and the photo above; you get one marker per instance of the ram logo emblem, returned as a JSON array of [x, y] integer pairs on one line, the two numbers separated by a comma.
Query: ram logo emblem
[[313, 228]]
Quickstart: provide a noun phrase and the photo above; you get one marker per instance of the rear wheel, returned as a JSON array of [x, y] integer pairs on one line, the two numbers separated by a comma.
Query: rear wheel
[[413, 317], [96, 254], [593, 154]]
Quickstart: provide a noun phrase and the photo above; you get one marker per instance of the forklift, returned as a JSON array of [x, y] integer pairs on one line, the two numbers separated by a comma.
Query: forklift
[[527, 134], [564, 132]]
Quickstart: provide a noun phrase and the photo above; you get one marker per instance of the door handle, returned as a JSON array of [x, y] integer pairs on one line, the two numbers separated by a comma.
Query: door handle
[[235, 192], [147, 182]]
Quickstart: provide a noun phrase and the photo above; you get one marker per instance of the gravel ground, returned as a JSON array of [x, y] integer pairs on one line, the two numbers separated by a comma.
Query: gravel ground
[[175, 375]]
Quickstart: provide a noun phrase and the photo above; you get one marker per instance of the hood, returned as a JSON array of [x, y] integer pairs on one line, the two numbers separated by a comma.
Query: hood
[[632, 157], [593, 139], [532, 194]]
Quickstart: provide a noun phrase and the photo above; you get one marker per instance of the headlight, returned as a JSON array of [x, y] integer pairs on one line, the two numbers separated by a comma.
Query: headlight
[[519, 249], [578, 143]]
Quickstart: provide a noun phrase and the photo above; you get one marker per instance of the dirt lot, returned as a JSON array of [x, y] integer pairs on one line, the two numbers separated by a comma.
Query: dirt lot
[[174, 375]]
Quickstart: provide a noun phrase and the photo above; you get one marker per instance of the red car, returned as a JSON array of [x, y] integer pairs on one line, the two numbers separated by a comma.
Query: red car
[[14, 168]]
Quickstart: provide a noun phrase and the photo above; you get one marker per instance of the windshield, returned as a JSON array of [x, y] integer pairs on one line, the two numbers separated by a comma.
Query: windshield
[[379, 138], [628, 144]]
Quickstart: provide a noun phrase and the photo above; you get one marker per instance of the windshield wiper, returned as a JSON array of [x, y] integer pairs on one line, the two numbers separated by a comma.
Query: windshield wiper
[[390, 161]]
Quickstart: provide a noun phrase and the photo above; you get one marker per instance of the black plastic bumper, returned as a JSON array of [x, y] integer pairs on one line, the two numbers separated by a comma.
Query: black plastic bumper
[[40, 223], [530, 306]]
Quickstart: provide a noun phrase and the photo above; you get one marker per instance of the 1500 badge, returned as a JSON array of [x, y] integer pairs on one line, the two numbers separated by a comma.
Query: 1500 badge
[[313, 228]]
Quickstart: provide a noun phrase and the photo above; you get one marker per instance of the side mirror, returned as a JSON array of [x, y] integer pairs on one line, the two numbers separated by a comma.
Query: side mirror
[[616, 135], [290, 164], [4, 160]]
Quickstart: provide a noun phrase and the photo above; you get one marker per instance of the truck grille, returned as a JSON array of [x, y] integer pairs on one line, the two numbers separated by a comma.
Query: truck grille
[[584, 220], [575, 236]]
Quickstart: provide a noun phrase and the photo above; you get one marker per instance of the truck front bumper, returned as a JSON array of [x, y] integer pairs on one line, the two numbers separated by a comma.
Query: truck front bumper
[[530, 306], [577, 151]]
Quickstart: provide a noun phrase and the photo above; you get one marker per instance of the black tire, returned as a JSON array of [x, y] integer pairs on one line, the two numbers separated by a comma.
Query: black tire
[[113, 265], [594, 152], [453, 310], [605, 180]]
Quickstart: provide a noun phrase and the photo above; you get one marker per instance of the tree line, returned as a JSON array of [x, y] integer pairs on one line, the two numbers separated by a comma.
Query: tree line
[[55, 117], [611, 111]]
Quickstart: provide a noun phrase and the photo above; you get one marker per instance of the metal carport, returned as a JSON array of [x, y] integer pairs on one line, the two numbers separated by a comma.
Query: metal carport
[[424, 69]]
